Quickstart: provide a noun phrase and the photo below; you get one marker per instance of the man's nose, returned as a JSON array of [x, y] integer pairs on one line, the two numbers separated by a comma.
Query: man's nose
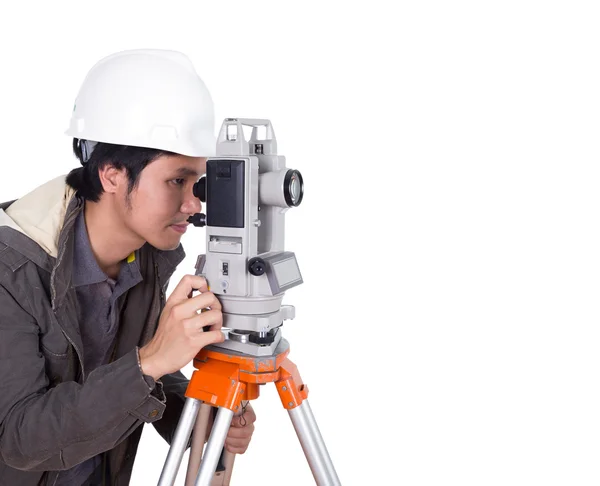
[[191, 205]]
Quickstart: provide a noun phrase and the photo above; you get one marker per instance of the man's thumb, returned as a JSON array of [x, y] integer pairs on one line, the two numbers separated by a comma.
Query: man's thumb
[[213, 337]]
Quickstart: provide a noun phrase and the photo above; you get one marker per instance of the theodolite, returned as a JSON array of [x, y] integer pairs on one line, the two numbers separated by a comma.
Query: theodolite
[[247, 190]]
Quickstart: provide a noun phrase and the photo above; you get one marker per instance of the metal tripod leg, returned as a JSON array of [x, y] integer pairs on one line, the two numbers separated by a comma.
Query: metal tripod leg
[[198, 440], [313, 445], [214, 447], [203, 425], [180, 441]]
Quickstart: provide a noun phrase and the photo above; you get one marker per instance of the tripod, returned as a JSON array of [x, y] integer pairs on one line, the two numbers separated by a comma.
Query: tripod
[[225, 380]]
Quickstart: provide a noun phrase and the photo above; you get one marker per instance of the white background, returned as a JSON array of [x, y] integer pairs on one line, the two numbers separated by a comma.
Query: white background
[[447, 327]]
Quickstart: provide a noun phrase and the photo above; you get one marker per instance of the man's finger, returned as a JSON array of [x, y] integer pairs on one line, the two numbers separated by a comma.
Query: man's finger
[[237, 443], [240, 433], [198, 323], [237, 446], [210, 337], [186, 287], [236, 450], [202, 301]]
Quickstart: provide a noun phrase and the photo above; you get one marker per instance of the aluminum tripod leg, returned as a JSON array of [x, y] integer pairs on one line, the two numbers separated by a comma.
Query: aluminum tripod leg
[[214, 446], [203, 425], [198, 440], [313, 445], [180, 441]]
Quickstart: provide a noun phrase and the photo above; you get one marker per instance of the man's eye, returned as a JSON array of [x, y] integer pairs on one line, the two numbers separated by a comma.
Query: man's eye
[[178, 182]]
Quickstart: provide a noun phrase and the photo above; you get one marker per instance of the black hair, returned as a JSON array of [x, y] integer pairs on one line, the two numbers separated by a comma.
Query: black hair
[[85, 180]]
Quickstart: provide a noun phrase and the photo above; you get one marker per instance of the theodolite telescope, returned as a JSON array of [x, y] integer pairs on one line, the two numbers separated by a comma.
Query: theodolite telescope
[[247, 190]]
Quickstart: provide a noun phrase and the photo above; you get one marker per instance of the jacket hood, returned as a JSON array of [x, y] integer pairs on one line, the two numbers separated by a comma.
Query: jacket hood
[[40, 214]]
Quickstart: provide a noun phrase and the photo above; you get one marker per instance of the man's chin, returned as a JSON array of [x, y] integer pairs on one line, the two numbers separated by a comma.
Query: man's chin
[[170, 248], [165, 245]]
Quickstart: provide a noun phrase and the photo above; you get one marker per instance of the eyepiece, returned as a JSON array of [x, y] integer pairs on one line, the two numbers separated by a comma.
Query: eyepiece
[[200, 189]]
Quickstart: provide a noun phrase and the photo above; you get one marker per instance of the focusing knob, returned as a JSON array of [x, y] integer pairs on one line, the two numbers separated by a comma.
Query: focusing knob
[[198, 219], [256, 266], [200, 189]]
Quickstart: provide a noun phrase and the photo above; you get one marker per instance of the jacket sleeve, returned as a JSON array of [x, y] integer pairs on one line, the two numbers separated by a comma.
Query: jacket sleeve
[[174, 387], [44, 428]]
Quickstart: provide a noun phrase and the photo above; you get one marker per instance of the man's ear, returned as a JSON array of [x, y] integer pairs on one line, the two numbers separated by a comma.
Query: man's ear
[[112, 178]]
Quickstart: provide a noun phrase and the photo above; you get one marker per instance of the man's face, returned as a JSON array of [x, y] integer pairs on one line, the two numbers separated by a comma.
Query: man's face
[[163, 199]]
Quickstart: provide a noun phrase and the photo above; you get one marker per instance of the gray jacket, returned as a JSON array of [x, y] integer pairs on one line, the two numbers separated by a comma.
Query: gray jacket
[[53, 413]]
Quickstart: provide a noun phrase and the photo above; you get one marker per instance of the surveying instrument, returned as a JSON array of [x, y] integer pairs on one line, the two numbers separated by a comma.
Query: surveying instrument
[[247, 190]]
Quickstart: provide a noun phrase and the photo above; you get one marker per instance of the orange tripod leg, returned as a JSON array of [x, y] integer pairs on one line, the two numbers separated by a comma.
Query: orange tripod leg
[[289, 386]]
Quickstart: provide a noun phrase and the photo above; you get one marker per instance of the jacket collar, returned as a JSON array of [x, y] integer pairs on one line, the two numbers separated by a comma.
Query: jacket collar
[[31, 225], [40, 213]]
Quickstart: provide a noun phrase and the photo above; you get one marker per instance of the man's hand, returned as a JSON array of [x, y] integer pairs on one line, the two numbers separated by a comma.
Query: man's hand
[[180, 336], [240, 432]]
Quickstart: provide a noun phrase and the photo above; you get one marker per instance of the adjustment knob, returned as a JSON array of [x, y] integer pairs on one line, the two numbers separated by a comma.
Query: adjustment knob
[[198, 219], [257, 267]]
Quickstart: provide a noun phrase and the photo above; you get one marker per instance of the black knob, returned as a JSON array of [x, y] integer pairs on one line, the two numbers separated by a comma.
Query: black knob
[[256, 266], [200, 189], [198, 219]]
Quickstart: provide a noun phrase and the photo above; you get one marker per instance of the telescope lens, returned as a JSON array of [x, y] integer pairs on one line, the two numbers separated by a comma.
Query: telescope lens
[[293, 188]]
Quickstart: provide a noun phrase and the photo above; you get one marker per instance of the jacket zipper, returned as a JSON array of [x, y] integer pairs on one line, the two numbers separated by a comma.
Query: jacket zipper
[[161, 303], [162, 294], [61, 253], [78, 354]]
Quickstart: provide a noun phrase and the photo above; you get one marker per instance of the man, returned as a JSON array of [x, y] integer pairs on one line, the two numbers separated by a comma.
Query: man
[[90, 349]]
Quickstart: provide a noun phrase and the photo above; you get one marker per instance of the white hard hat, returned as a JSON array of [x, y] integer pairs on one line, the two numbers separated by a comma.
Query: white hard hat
[[146, 98]]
